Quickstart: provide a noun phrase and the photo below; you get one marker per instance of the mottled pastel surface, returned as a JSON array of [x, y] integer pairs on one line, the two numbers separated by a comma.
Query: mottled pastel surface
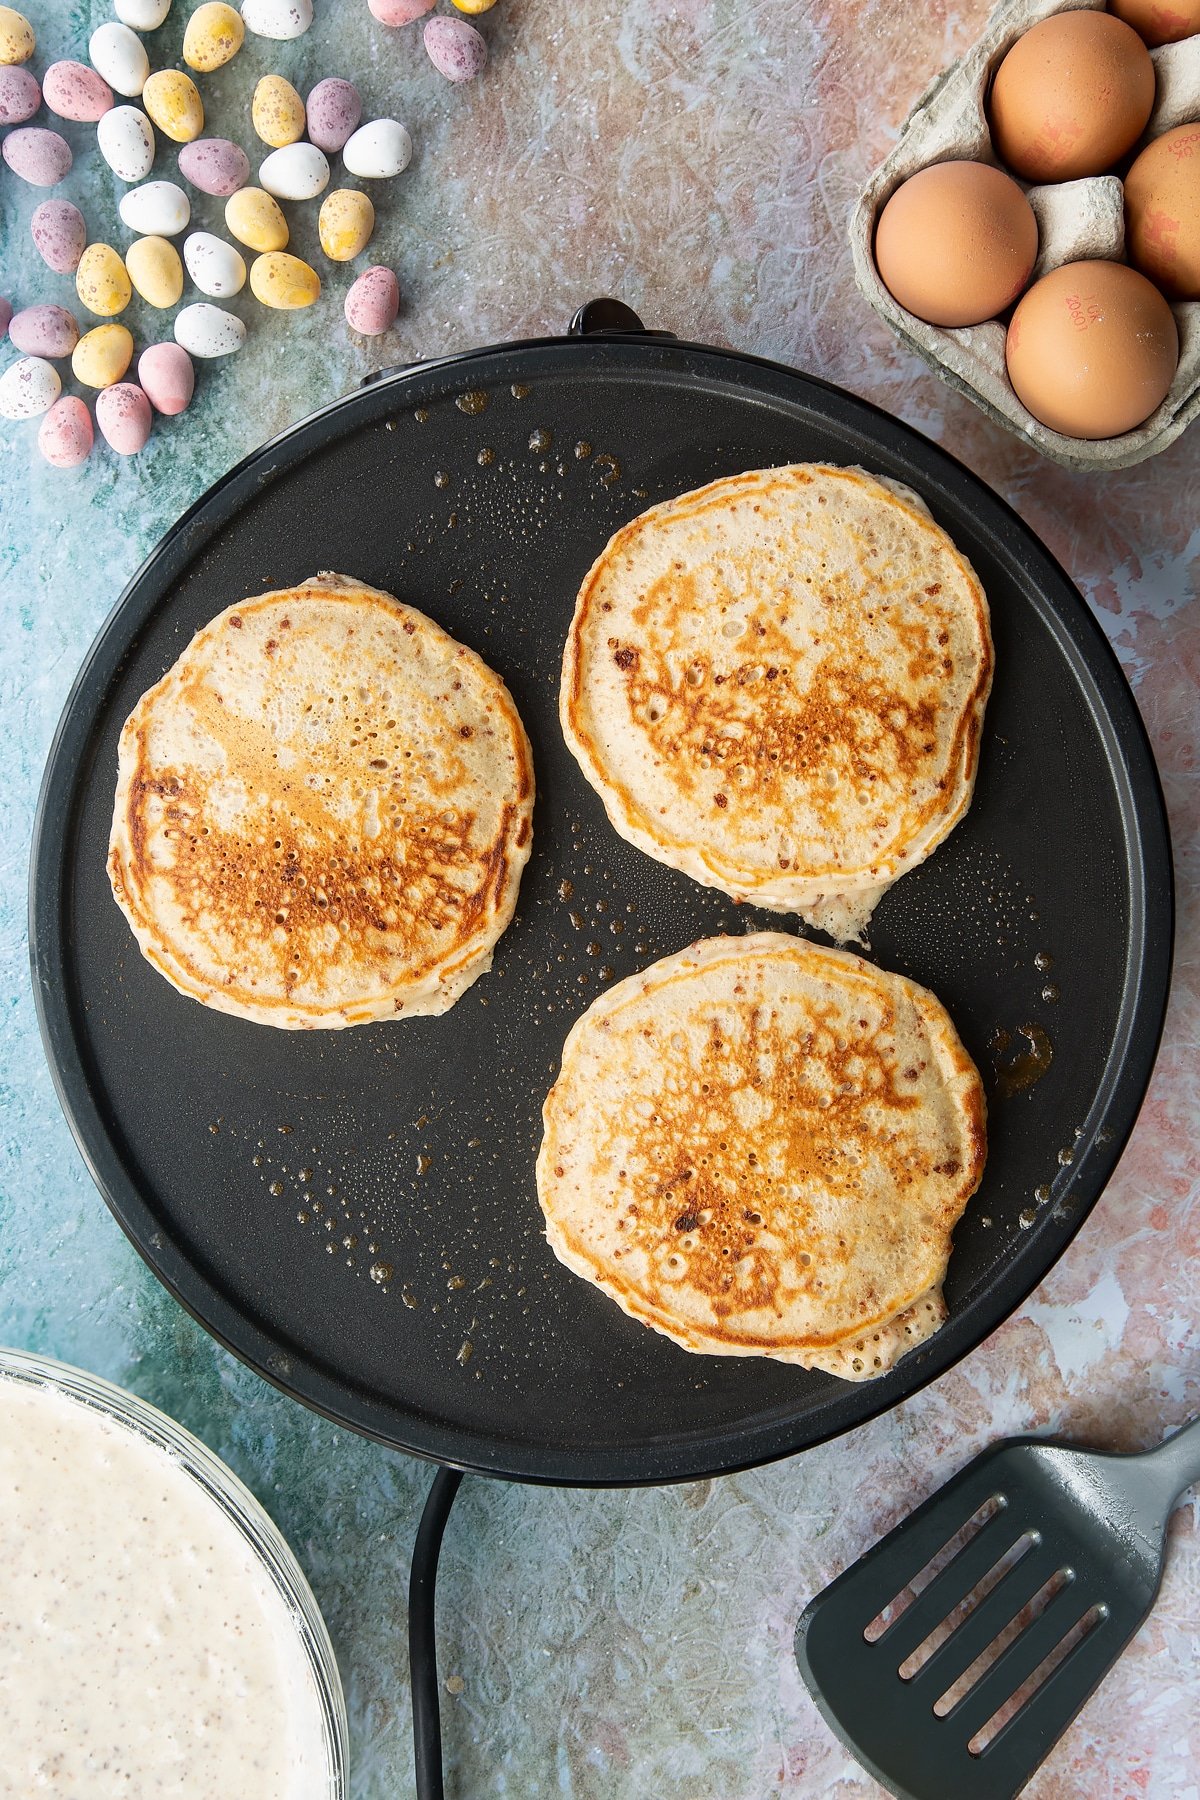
[[698, 159]]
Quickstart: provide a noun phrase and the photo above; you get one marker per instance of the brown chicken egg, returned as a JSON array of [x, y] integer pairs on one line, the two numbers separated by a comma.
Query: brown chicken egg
[[1159, 21], [956, 242], [1092, 349], [1071, 97], [1162, 212]]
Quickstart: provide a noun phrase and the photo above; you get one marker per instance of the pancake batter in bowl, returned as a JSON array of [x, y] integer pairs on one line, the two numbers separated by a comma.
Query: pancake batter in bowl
[[147, 1647]]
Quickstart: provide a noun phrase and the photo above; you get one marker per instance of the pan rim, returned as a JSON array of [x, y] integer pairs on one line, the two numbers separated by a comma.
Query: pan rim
[[676, 1456]]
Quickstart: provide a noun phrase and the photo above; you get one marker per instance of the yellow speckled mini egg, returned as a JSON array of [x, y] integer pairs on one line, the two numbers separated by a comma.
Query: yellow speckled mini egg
[[283, 281], [215, 33], [277, 112], [345, 225], [155, 271], [256, 220], [16, 37], [474, 7], [102, 356], [173, 101], [102, 281]]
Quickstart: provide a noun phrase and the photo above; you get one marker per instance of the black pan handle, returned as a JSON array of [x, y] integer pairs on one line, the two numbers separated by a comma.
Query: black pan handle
[[610, 318]]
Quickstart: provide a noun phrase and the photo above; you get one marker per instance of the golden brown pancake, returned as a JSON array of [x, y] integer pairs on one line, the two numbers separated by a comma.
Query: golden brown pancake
[[760, 1147], [777, 684], [322, 811]]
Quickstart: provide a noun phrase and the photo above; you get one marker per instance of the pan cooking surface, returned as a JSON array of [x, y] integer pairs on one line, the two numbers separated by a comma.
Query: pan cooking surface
[[355, 1212]]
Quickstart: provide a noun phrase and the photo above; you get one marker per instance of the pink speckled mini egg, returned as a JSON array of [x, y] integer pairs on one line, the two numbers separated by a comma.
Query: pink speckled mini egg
[[65, 436], [38, 156], [167, 377], [74, 91], [44, 331], [59, 234], [333, 111], [123, 415], [215, 166], [373, 302], [399, 12], [20, 96], [455, 49]]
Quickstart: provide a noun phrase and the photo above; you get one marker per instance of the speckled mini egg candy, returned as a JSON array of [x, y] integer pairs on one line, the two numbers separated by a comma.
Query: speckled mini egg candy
[[124, 417], [102, 356], [455, 49], [74, 91], [38, 156], [378, 151], [256, 220], [126, 140], [215, 166], [209, 331], [155, 271], [215, 33], [399, 12], [142, 15], [173, 101], [373, 302], [279, 19], [167, 377], [119, 55], [156, 209], [298, 172], [17, 43], [215, 267], [65, 435], [333, 112], [474, 7], [283, 282], [277, 112], [28, 388], [59, 235], [102, 281], [49, 331], [20, 95], [345, 225]]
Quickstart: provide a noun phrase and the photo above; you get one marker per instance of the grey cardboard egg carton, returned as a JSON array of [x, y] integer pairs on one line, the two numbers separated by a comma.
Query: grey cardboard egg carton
[[1076, 220]]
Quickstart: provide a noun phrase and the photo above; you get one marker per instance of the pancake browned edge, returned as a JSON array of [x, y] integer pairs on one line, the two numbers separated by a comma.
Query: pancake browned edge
[[322, 811], [777, 684], [760, 1147]]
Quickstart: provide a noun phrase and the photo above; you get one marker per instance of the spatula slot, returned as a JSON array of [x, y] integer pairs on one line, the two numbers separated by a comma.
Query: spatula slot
[[1054, 1659], [913, 1664], [900, 1603], [1033, 1609]]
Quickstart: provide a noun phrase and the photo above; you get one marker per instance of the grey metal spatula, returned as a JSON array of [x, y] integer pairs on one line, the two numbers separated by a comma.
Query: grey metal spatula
[[952, 1656]]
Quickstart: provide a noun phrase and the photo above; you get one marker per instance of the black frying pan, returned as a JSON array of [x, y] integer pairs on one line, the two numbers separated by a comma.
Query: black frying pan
[[418, 1301]]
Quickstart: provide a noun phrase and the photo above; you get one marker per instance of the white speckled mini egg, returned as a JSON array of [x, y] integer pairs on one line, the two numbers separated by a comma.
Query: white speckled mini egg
[[124, 417], [215, 267], [277, 18], [297, 172], [204, 330], [142, 15], [378, 150], [119, 55], [126, 139], [29, 388], [156, 209]]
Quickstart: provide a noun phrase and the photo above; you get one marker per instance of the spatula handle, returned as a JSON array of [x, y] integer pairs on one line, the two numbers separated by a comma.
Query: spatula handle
[[1178, 1459]]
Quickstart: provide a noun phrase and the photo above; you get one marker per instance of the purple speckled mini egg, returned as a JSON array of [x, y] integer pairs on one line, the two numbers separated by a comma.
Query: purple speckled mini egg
[[60, 235], [215, 166], [455, 49], [38, 156], [333, 111], [167, 376], [65, 436], [20, 96], [123, 415], [74, 91], [44, 331], [373, 302]]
